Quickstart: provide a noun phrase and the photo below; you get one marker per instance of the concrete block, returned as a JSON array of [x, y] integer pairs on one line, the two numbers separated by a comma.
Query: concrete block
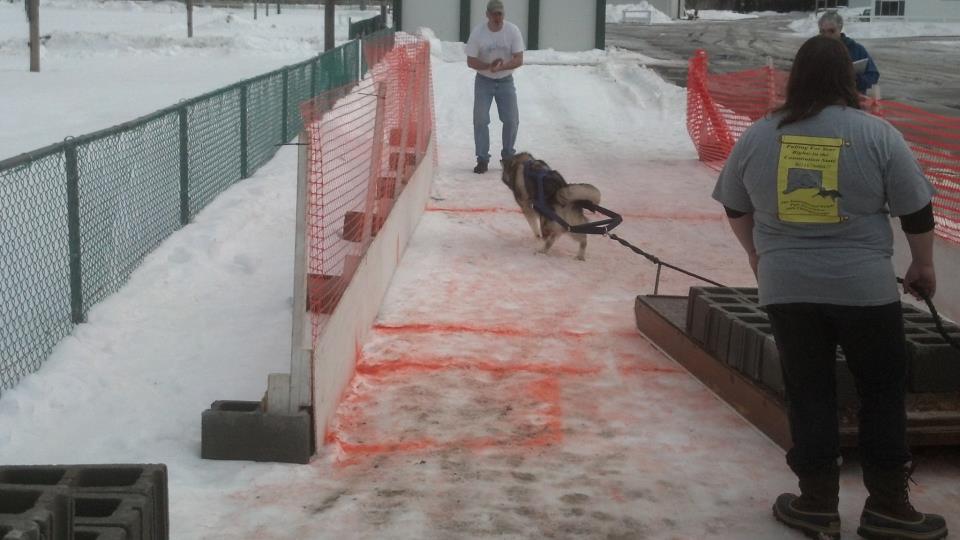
[[132, 514], [99, 533], [240, 430], [49, 508], [18, 529], [746, 334], [127, 481], [324, 292], [411, 161], [934, 365], [771, 372], [719, 320]]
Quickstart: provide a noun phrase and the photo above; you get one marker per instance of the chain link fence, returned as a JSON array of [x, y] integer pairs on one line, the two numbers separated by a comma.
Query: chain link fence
[[78, 217]]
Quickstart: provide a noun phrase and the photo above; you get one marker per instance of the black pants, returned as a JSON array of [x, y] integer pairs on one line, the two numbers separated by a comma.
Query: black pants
[[873, 342]]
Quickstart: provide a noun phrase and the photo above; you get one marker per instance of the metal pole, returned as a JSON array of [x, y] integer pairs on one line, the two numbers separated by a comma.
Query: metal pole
[[189, 18], [33, 14], [328, 22], [184, 168], [77, 314], [254, 9]]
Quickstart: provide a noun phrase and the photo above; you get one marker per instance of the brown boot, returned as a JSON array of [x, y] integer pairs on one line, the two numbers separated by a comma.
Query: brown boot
[[814, 511], [888, 513]]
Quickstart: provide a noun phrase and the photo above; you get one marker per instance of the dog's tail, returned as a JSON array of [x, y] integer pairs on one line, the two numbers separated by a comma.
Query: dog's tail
[[578, 192]]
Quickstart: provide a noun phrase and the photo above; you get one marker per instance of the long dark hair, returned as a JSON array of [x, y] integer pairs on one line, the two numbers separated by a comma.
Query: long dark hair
[[822, 75]]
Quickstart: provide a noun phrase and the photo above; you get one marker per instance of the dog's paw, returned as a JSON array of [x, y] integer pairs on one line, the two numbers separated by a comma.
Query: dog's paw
[[581, 257]]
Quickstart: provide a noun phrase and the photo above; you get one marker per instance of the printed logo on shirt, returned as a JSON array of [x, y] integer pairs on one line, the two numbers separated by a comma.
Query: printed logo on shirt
[[808, 188]]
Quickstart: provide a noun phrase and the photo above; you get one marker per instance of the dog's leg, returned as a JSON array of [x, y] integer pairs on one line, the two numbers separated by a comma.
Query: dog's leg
[[533, 218], [549, 237], [582, 253]]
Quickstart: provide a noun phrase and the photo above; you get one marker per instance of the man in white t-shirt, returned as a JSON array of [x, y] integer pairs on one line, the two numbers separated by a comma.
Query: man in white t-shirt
[[494, 49]]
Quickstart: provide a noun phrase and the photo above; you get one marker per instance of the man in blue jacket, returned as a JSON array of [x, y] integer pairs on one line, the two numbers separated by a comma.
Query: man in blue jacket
[[831, 25]]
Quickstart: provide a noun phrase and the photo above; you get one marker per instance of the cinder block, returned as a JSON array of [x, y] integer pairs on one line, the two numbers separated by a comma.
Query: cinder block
[[385, 187], [18, 529], [411, 161], [133, 514], [49, 508], [240, 430], [146, 480], [744, 331], [99, 533], [324, 292], [353, 226], [720, 318], [771, 372], [934, 365], [396, 134]]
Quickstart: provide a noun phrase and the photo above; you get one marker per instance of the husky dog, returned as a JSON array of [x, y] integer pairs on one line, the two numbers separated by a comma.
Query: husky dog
[[520, 174]]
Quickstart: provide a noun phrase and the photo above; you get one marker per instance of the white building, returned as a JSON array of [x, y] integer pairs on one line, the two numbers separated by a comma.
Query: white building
[[563, 25], [911, 10]]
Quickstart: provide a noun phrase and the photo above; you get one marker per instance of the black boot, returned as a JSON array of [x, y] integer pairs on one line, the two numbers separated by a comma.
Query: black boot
[[888, 513], [814, 512], [481, 167]]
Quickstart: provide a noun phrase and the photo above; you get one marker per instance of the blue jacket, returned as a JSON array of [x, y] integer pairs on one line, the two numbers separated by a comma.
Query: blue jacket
[[871, 75]]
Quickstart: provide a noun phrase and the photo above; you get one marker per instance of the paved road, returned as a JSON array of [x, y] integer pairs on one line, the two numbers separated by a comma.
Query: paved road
[[921, 71]]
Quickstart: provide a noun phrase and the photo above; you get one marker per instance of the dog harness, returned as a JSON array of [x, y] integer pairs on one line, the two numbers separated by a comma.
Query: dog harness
[[602, 226]]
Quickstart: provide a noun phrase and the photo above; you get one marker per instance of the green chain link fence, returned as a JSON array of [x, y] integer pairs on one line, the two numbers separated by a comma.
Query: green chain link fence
[[78, 217]]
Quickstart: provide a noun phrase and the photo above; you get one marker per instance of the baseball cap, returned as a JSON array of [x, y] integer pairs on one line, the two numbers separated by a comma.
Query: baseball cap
[[494, 6]]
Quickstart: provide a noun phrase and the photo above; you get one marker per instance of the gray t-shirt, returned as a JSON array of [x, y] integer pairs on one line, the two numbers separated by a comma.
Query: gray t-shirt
[[822, 191]]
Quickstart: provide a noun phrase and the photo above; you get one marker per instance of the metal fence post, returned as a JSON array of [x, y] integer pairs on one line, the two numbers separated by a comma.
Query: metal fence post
[[243, 131], [313, 76], [184, 168], [286, 113], [77, 314]]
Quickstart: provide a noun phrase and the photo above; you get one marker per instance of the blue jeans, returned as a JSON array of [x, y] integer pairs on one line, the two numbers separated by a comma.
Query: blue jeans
[[485, 90]]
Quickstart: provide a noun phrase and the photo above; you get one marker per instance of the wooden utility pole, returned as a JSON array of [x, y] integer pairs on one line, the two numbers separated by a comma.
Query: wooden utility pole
[[189, 18], [33, 15], [328, 21]]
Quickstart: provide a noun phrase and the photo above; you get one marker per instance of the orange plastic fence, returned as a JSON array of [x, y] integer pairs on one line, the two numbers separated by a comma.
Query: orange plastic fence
[[720, 107], [359, 160]]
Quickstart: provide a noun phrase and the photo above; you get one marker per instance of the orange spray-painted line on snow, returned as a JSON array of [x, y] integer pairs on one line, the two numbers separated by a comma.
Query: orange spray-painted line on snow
[[700, 216], [430, 328], [446, 362], [546, 391]]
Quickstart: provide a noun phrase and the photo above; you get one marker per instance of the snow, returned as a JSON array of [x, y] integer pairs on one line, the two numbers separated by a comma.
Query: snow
[[615, 12], [501, 394], [876, 28], [91, 43]]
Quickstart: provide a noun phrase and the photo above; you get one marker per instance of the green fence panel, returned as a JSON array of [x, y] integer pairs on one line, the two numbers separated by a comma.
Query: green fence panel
[[79, 217], [129, 190], [264, 119], [35, 282], [213, 128], [298, 91]]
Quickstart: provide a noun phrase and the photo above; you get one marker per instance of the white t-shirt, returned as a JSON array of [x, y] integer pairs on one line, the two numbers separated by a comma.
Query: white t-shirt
[[487, 46]]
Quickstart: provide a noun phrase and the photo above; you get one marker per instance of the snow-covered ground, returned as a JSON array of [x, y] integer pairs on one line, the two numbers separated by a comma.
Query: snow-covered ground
[[549, 415], [103, 63]]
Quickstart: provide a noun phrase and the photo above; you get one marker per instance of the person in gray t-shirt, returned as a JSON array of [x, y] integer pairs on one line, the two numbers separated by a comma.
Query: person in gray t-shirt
[[809, 191]]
